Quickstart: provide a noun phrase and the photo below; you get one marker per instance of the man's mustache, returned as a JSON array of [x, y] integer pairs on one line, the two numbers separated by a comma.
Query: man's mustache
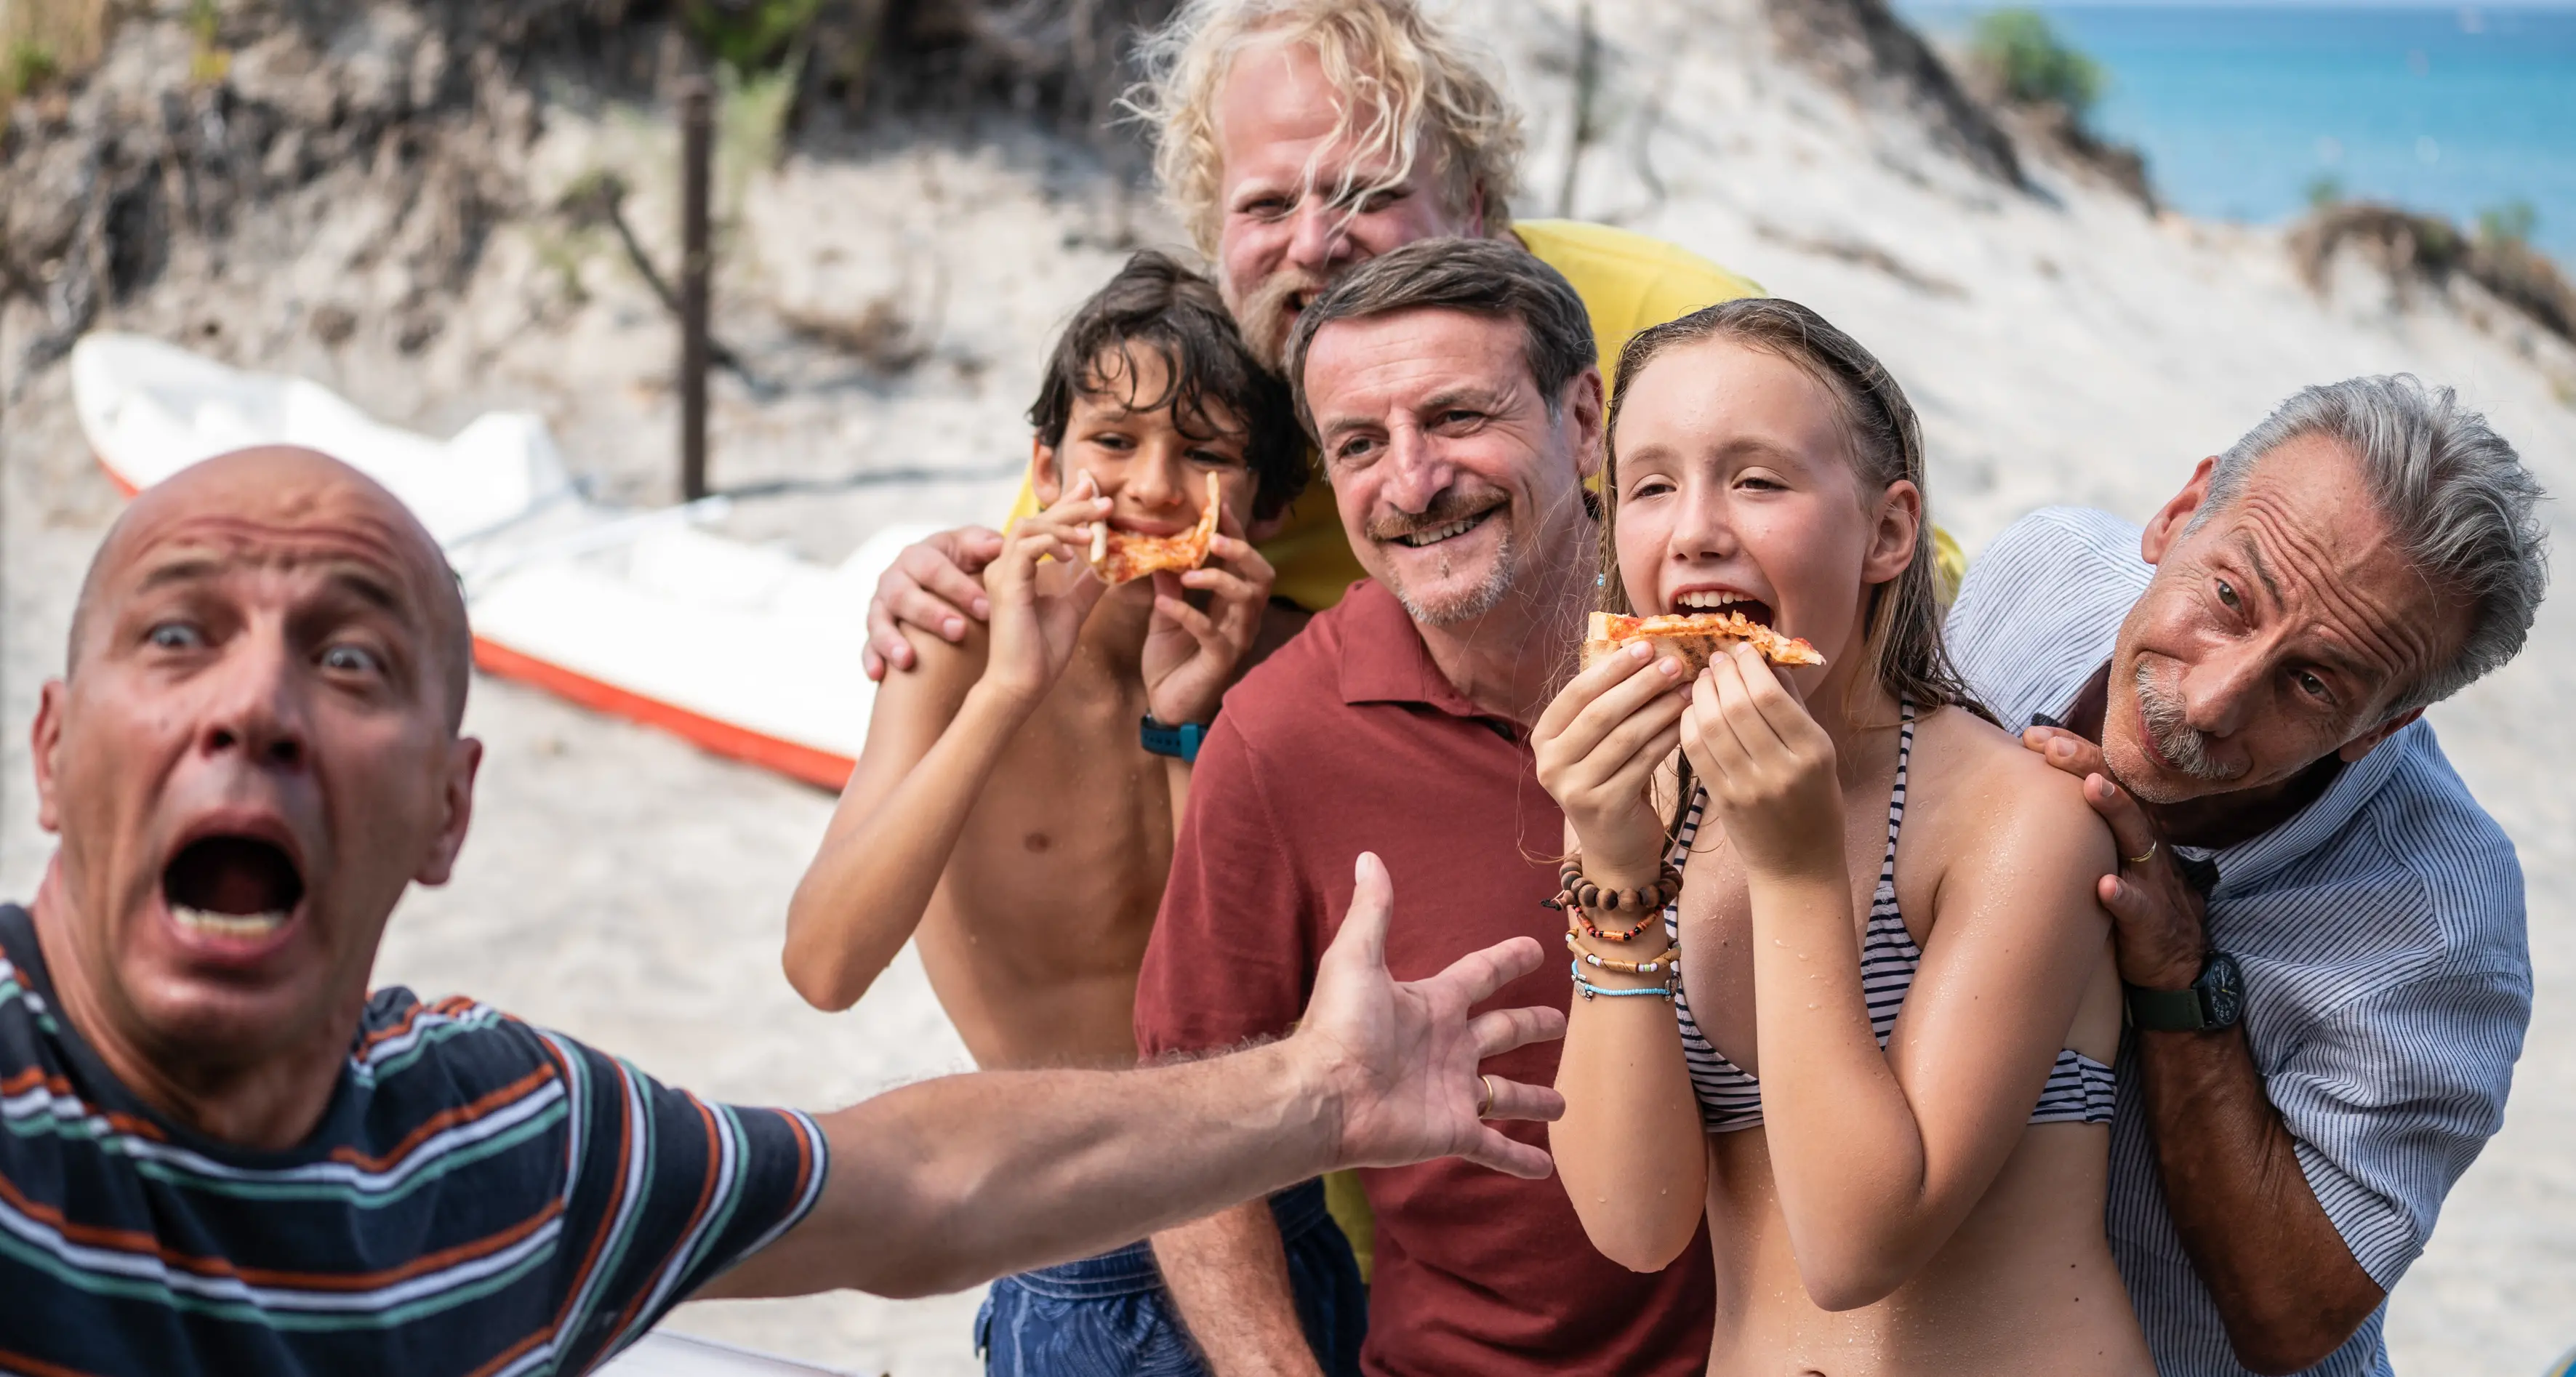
[[2185, 746], [1451, 505], [1265, 318]]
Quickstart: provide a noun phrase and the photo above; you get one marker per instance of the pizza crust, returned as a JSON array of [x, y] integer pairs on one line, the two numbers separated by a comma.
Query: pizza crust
[[1696, 637], [1121, 558]]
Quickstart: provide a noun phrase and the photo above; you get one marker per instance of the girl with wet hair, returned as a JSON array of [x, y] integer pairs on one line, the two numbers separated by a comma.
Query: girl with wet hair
[[1843, 987]]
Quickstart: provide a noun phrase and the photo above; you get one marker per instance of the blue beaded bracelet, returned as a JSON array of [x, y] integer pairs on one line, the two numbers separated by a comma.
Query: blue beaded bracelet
[[1575, 968]]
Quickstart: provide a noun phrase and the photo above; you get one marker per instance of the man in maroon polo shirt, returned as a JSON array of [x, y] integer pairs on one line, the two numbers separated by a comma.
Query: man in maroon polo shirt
[[1451, 389]]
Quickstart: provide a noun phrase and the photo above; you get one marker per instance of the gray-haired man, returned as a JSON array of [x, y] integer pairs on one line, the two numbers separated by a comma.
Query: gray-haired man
[[2322, 933]]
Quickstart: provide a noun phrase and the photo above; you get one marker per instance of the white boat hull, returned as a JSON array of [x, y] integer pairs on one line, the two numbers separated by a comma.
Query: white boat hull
[[746, 651]]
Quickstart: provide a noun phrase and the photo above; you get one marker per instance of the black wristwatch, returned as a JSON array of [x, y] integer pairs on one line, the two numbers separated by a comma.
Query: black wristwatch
[[1181, 742], [2214, 1000]]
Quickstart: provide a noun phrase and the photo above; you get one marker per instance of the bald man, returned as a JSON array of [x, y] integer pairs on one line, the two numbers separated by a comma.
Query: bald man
[[225, 1155]]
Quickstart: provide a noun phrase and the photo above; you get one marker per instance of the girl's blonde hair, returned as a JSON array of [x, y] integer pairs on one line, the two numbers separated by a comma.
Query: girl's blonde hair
[[1406, 89], [1902, 637]]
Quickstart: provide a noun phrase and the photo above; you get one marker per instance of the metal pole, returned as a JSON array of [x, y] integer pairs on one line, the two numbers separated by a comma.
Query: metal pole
[[695, 265]]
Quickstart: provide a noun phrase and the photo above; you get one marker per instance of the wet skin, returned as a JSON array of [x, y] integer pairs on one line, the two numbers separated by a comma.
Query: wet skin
[[1033, 926], [259, 718], [1896, 1214]]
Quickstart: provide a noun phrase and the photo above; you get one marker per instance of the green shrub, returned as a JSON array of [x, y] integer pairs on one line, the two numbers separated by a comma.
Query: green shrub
[[751, 35], [45, 41], [2324, 190], [31, 64], [2033, 64], [2510, 223]]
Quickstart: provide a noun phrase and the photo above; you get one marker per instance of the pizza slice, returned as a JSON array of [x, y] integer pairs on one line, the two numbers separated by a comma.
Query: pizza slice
[[1121, 558], [1697, 637]]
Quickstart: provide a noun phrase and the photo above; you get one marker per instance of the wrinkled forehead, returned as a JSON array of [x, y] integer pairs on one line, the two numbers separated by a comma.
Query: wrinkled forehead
[[2305, 531], [1405, 357], [282, 511]]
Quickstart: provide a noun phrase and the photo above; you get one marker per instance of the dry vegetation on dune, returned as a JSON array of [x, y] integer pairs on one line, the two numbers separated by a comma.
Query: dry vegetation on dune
[[42, 41], [440, 207], [2428, 251]]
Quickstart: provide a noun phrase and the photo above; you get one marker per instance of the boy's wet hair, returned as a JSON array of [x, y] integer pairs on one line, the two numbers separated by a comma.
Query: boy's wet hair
[[1157, 304]]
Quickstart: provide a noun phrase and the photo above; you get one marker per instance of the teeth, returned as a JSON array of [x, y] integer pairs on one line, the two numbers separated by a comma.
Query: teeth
[[228, 924], [1440, 533], [1710, 599]]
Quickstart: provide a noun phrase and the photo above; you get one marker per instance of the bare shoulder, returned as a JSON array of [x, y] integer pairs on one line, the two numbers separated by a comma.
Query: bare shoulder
[[941, 670], [2007, 811], [913, 706]]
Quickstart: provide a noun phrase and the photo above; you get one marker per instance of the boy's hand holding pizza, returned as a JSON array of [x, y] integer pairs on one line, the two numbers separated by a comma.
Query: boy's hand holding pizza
[[1190, 655], [1043, 589]]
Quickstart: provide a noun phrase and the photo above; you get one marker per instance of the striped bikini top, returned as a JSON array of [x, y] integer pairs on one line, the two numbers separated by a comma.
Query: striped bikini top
[[2078, 1090]]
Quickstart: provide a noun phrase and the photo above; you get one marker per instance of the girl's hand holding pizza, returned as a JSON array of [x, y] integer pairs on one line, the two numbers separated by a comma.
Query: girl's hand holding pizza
[[1598, 746], [1190, 655], [1769, 769], [1039, 607]]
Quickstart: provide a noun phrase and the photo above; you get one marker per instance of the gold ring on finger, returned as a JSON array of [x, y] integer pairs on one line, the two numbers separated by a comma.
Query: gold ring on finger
[[2149, 855], [1485, 1096]]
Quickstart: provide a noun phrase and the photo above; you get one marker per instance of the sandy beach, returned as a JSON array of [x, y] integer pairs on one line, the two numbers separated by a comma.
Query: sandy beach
[[2063, 344]]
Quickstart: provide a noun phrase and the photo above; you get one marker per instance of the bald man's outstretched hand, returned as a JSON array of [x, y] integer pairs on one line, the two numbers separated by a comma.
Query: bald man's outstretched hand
[[939, 1186], [1413, 1051]]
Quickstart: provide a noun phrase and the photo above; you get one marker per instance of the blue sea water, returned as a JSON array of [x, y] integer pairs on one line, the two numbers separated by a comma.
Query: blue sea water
[[2241, 108]]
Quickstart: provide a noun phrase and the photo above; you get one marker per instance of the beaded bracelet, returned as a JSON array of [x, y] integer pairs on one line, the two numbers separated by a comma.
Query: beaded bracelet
[[1663, 991], [1587, 895], [1669, 961], [1579, 896], [1584, 921]]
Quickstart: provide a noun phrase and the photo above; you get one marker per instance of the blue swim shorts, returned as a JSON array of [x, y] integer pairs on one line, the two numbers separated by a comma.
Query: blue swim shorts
[[1108, 1316]]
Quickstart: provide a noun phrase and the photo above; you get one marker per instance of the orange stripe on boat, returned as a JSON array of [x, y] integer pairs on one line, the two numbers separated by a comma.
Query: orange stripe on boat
[[793, 759], [822, 769]]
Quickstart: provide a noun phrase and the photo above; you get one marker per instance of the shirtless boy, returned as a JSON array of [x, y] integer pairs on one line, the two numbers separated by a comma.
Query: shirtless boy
[[1014, 807]]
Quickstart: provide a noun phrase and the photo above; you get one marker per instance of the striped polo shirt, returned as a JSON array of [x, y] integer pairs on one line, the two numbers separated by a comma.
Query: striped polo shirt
[[2380, 930], [480, 1197]]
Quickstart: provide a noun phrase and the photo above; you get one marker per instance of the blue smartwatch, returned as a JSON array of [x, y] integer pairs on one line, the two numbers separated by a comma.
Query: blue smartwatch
[[1180, 743]]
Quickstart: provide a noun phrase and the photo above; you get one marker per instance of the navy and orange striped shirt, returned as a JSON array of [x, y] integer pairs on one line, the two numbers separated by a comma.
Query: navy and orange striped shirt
[[480, 1197]]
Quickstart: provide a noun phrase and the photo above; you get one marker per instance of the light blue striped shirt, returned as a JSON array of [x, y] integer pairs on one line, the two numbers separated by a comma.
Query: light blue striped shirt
[[2380, 930]]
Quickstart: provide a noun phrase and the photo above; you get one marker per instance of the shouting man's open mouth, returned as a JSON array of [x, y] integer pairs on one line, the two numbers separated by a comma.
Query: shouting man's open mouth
[[232, 887]]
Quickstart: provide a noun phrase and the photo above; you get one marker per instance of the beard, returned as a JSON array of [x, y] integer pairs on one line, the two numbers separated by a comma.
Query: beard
[[2183, 746], [1265, 318], [1451, 605]]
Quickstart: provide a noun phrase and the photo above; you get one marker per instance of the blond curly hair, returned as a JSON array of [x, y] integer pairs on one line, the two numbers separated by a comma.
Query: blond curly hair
[[1408, 88]]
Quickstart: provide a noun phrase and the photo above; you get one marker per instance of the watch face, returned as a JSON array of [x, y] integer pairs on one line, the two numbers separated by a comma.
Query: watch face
[[2222, 990]]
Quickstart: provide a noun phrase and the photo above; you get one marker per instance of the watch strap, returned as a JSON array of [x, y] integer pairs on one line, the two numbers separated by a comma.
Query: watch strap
[[1180, 742], [2167, 1011], [2215, 999]]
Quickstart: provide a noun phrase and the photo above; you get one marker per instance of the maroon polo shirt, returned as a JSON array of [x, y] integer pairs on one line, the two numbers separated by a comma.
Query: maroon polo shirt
[[1349, 740]]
